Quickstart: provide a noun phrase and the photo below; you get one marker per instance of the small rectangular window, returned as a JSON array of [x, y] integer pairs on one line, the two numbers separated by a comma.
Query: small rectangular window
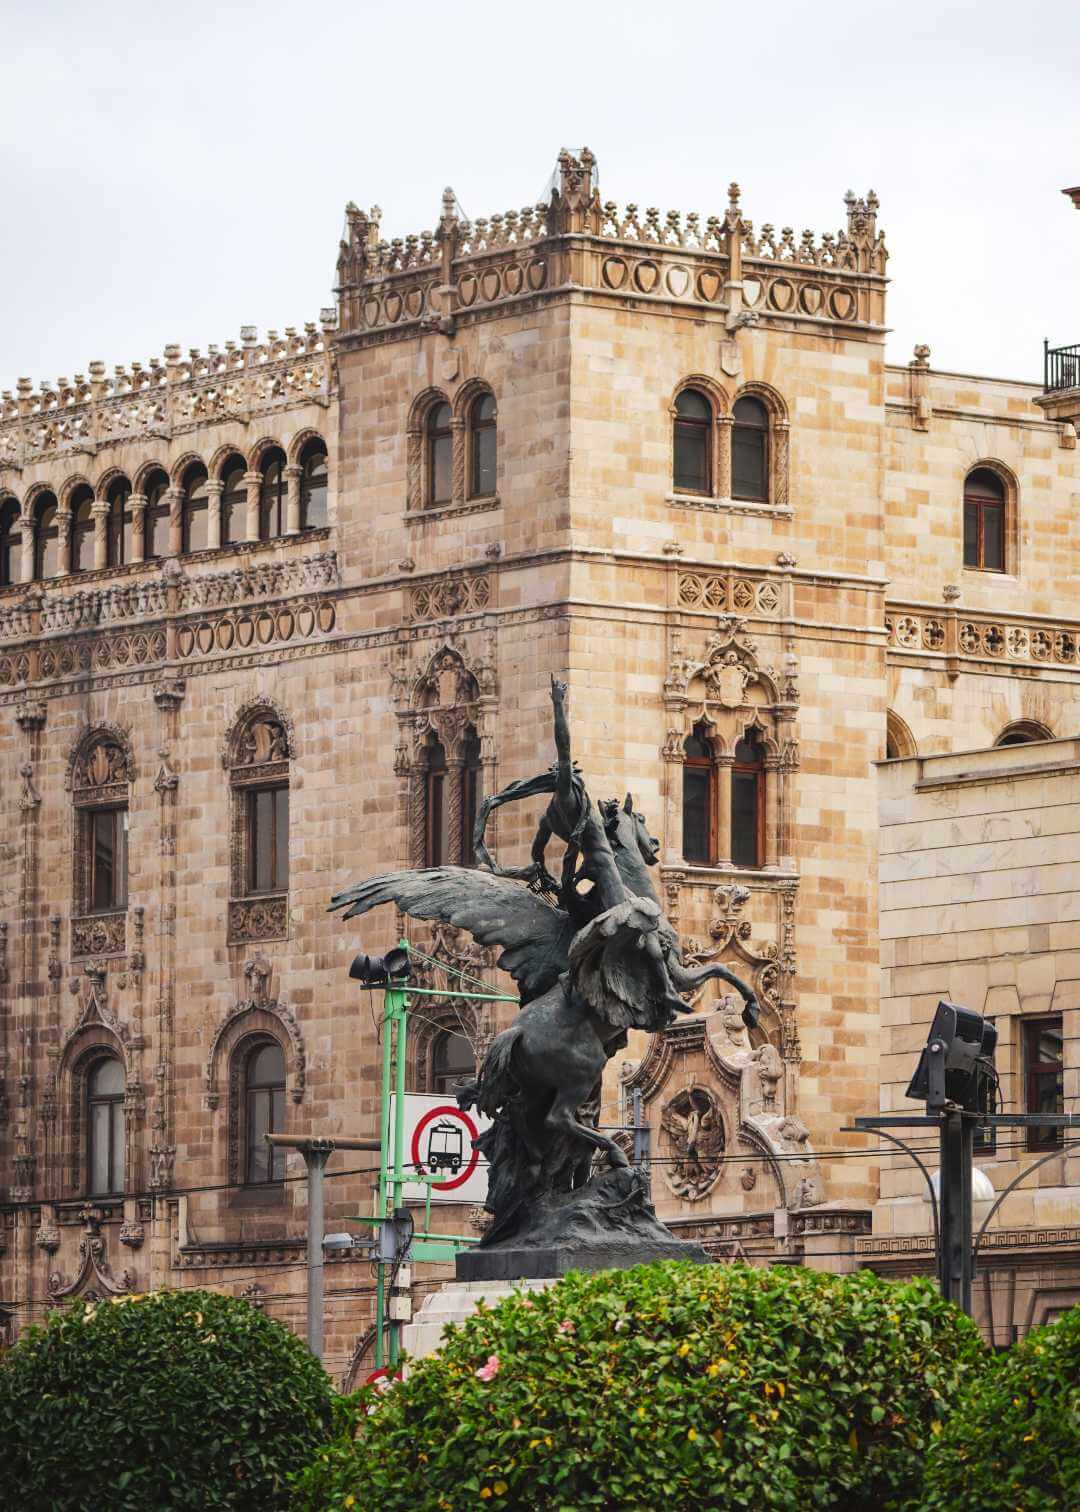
[[436, 819], [483, 461], [993, 538], [697, 820], [1044, 1076], [748, 464], [268, 840], [745, 818], [108, 859], [691, 457], [441, 469]]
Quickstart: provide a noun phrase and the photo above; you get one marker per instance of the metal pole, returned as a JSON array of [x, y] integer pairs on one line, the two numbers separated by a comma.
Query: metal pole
[[315, 1159]]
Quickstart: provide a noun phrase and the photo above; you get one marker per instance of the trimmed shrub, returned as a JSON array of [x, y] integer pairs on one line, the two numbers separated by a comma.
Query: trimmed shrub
[[1013, 1439], [670, 1385], [173, 1399]]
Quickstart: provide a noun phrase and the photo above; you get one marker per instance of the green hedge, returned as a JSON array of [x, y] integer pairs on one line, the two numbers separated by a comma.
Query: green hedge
[[1013, 1440], [175, 1399], [671, 1385]]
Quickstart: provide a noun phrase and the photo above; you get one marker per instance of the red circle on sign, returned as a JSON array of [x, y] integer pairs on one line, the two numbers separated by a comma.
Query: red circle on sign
[[474, 1157]]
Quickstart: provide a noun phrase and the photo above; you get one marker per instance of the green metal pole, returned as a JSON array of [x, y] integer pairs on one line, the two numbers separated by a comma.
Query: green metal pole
[[396, 1007], [384, 1147]]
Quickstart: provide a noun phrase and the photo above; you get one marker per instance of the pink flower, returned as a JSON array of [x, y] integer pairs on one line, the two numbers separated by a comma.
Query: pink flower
[[566, 1326], [489, 1371], [527, 1302]]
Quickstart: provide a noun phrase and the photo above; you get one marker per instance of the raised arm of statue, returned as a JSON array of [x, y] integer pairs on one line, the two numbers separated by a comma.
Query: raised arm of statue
[[565, 788]]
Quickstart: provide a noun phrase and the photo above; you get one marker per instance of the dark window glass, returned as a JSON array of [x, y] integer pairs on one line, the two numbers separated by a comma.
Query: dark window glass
[[452, 1062], [108, 859], [692, 472], [699, 799], [470, 796], [313, 487], [268, 839], [105, 1128], [984, 521], [10, 544], [82, 530], [436, 796], [155, 518], [264, 1113], [272, 497], [750, 450], [482, 446], [46, 539], [747, 806], [118, 524], [1044, 1076], [196, 517], [440, 455], [233, 502]]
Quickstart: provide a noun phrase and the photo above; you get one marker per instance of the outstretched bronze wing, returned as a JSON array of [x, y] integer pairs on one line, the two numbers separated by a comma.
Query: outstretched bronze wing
[[617, 965], [533, 935]]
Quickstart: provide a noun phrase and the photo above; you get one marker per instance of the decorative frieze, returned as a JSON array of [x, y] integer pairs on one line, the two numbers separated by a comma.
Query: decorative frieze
[[730, 593], [978, 637], [254, 919], [446, 597], [99, 934]]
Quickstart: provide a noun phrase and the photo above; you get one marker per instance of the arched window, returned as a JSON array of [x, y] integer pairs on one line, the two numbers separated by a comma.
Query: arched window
[[264, 1112], [313, 486], [750, 450], [470, 797], [155, 517], [692, 451], [10, 543], [984, 521], [46, 538], [82, 529], [195, 532], [452, 1062], [748, 802], [440, 448], [105, 1128], [699, 799], [233, 501], [435, 807], [1023, 732], [483, 440], [118, 525], [899, 741], [273, 495]]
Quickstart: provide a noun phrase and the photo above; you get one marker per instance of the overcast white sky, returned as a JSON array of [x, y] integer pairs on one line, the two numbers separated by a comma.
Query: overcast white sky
[[169, 173]]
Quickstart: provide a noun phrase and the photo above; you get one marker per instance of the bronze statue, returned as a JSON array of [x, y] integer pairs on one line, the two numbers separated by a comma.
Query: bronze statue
[[593, 956]]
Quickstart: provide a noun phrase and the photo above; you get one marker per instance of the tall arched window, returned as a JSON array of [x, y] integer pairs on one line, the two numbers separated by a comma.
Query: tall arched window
[[452, 1062], [46, 538], [984, 521], [100, 792], [233, 501], [258, 761], [699, 799], [118, 525], [264, 1113], [750, 450], [82, 529], [483, 439], [692, 450], [470, 797], [748, 802], [105, 1128], [313, 486], [440, 458], [273, 495], [10, 542], [435, 808], [195, 532], [155, 517]]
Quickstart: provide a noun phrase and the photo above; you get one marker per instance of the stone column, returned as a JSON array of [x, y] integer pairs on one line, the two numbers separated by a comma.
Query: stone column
[[452, 840], [293, 475], [772, 810], [722, 480], [137, 505], [100, 512], [253, 484], [26, 560], [724, 763], [459, 446], [174, 497], [63, 543], [214, 489]]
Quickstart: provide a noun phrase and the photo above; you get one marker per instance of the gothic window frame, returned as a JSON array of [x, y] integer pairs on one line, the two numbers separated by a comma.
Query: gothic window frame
[[80, 505], [46, 530], [119, 522], [438, 443], [477, 429], [743, 766], [258, 758], [232, 473], [273, 493], [313, 449], [698, 430], [706, 765], [1008, 500], [100, 779], [243, 1055], [11, 538], [196, 476], [777, 444], [88, 1044], [116, 1134], [154, 487], [436, 796]]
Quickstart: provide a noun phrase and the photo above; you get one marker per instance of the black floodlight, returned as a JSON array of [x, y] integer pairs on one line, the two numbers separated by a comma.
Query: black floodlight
[[966, 1042], [380, 971]]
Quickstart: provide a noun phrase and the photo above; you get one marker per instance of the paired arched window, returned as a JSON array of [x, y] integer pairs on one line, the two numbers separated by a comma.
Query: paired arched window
[[195, 517], [233, 504], [118, 525], [750, 450], [451, 799], [273, 495], [984, 521], [156, 517], [314, 486], [46, 538], [82, 529], [105, 1128], [723, 801], [10, 543], [440, 454], [263, 1110], [452, 1062], [693, 443], [483, 439]]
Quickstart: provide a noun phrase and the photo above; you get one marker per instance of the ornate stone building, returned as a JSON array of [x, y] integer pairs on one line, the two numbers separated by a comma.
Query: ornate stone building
[[275, 616]]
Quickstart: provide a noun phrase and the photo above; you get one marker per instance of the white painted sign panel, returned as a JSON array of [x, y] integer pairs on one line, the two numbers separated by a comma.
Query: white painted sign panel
[[439, 1139]]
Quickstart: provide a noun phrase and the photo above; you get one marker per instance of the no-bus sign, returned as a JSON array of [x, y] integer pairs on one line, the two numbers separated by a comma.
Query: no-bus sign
[[439, 1140]]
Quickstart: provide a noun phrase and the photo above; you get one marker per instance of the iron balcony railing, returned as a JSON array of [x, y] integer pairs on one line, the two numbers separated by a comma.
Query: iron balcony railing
[[1061, 367]]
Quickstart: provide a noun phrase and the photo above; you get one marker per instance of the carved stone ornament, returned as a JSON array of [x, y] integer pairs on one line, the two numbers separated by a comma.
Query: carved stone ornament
[[94, 1267], [132, 1234], [692, 1142], [47, 1237]]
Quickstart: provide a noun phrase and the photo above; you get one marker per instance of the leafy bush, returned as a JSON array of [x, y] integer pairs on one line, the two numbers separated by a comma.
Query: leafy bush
[[175, 1399], [669, 1385], [1013, 1439]]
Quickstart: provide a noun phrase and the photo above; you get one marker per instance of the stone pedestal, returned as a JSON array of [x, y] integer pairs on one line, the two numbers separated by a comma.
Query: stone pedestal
[[453, 1303], [489, 1266]]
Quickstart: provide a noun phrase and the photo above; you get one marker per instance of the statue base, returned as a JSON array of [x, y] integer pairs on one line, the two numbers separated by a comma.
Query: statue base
[[607, 1224]]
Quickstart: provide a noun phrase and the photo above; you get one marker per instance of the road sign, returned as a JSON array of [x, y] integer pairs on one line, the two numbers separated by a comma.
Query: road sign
[[439, 1140]]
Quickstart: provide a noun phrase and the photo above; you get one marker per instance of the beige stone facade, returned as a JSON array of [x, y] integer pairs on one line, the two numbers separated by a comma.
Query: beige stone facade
[[431, 608]]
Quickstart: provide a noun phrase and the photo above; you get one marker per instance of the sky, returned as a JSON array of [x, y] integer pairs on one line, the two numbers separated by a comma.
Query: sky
[[170, 173]]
